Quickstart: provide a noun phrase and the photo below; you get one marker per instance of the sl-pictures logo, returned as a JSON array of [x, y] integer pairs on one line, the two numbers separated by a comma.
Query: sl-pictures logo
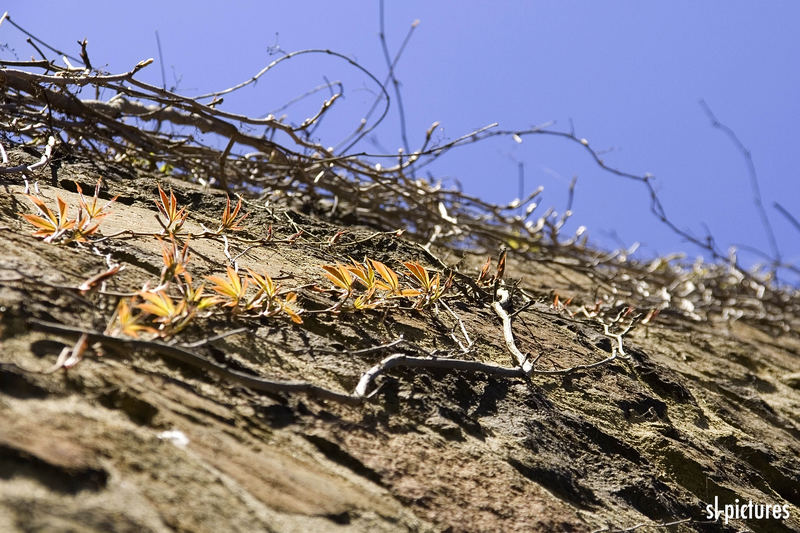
[[746, 511]]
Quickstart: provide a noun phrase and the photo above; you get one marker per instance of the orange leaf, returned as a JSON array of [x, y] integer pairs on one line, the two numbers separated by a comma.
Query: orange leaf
[[419, 272], [40, 222], [287, 307], [51, 226], [501, 265], [233, 287], [265, 284], [128, 323], [92, 210], [390, 278], [169, 208], [160, 304], [484, 275], [339, 276], [228, 220]]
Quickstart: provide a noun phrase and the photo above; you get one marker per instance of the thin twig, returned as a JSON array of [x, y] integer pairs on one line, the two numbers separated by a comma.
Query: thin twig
[[186, 356], [752, 174], [640, 525], [397, 360], [508, 334], [782, 210], [213, 338], [390, 65], [460, 322], [27, 169]]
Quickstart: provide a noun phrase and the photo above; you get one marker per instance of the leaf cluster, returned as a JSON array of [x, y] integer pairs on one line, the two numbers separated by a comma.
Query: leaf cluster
[[176, 301], [57, 227], [376, 285]]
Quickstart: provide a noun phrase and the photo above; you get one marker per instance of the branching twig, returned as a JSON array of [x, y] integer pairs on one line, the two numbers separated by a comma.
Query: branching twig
[[28, 169], [143, 123], [753, 175], [782, 210], [498, 306], [390, 65], [402, 360], [184, 355], [188, 357], [609, 529]]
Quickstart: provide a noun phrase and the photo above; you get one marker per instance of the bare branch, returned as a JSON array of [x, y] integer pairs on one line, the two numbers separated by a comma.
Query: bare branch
[[390, 65], [27, 169], [782, 210], [753, 175]]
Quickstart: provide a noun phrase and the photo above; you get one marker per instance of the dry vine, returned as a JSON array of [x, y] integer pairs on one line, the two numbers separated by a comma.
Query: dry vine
[[272, 162], [134, 123]]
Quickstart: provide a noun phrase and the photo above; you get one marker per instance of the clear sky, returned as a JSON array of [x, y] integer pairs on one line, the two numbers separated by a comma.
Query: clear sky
[[627, 75]]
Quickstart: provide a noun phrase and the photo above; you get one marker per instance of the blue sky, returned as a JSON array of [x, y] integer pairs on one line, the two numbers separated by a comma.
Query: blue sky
[[627, 75]]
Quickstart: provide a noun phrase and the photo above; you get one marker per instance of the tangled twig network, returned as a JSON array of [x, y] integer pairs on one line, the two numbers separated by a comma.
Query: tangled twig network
[[80, 110]]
